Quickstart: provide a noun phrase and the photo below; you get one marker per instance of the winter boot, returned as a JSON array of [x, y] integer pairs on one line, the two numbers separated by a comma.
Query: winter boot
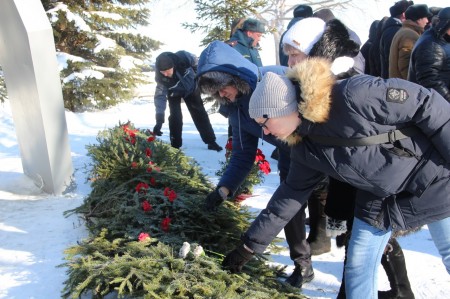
[[159, 123], [393, 262], [318, 240], [300, 275], [214, 146], [157, 129]]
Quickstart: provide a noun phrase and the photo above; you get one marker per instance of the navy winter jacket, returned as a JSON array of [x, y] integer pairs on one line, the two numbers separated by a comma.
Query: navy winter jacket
[[401, 185], [219, 56]]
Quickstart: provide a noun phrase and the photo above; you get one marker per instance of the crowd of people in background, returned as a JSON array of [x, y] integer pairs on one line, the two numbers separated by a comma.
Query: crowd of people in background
[[324, 69]]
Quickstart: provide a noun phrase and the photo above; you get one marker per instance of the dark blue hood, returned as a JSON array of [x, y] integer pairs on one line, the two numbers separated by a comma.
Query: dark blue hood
[[220, 57]]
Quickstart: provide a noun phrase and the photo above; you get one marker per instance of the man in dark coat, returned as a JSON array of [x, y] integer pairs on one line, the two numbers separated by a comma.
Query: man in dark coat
[[390, 139], [430, 58], [365, 48], [374, 52], [175, 80], [390, 27]]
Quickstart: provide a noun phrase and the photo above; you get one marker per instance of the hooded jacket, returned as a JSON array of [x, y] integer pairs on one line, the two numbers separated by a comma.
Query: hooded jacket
[[430, 60], [401, 185], [220, 57]]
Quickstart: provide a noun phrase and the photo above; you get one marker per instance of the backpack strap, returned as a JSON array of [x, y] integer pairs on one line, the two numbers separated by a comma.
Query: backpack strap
[[389, 137]]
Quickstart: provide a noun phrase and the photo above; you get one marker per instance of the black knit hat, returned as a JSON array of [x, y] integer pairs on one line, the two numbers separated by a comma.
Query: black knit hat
[[418, 11], [303, 11], [400, 7], [164, 62]]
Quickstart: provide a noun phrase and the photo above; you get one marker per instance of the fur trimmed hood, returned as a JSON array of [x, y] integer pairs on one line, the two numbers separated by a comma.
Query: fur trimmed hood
[[220, 64], [315, 82]]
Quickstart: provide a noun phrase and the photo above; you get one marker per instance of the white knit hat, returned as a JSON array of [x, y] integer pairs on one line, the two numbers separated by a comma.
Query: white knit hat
[[304, 34], [273, 97]]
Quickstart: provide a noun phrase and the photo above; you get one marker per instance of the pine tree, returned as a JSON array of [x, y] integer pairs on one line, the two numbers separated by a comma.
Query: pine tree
[[104, 52], [215, 16]]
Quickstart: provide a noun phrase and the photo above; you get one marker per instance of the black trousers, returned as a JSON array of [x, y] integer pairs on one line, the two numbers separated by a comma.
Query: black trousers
[[295, 232], [199, 115]]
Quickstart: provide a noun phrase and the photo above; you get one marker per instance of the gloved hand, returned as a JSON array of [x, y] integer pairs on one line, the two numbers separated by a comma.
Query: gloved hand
[[236, 259], [213, 200]]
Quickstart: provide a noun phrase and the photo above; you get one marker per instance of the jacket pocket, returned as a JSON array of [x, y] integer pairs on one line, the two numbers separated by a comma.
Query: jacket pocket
[[422, 177]]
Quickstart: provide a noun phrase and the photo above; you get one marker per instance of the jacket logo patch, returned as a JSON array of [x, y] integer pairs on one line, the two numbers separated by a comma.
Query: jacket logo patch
[[397, 95]]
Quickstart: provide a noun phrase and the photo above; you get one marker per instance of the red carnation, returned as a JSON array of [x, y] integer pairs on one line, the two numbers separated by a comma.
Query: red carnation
[[229, 145], [152, 181], [165, 224], [146, 206], [166, 191], [142, 186], [259, 156], [148, 152], [264, 166], [172, 195], [134, 165], [243, 196], [143, 236]]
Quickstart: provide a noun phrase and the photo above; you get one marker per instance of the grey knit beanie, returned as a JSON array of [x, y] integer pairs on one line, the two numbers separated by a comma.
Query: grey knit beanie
[[273, 97]]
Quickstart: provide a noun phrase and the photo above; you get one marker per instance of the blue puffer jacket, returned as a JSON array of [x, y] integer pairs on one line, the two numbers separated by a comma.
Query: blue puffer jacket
[[401, 185], [219, 56]]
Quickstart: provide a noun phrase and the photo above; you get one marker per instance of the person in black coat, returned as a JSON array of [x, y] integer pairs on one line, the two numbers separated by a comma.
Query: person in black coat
[[396, 153], [430, 57], [390, 27], [365, 48], [374, 51], [175, 80]]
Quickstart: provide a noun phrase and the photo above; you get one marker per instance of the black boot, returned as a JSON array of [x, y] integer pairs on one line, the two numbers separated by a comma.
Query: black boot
[[300, 275], [317, 238], [214, 146], [393, 262], [157, 129], [159, 122]]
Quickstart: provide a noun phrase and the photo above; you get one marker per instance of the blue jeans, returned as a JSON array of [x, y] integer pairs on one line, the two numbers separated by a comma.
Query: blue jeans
[[365, 249], [440, 233]]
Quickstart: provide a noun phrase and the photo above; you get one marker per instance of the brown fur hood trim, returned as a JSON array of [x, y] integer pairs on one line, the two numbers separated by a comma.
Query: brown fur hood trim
[[315, 81]]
